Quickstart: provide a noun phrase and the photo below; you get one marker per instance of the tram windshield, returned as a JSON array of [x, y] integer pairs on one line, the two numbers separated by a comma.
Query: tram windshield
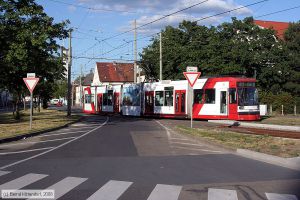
[[248, 96]]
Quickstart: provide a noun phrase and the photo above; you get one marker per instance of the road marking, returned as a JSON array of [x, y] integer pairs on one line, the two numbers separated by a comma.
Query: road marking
[[112, 190], [48, 135], [64, 186], [166, 128], [25, 151], [165, 192], [194, 149], [217, 194], [57, 147], [42, 141], [273, 196], [190, 144], [22, 181], [4, 172]]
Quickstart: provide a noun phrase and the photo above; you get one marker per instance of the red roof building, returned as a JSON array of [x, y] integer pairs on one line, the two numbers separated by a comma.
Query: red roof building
[[113, 73], [279, 27]]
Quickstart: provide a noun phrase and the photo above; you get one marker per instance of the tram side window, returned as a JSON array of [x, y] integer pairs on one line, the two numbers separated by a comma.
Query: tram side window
[[232, 96], [104, 99], [159, 98], [109, 97], [87, 98], [210, 95], [92, 98], [198, 94], [168, 98]]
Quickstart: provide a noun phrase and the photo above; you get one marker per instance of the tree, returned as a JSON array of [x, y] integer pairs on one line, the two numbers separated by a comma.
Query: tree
[[28, 44]]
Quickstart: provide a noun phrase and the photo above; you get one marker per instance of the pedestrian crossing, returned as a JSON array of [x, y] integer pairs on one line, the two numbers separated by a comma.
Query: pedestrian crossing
[[114, 189]]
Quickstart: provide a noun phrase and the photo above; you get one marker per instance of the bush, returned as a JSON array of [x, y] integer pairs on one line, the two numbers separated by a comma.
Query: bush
[[276, 100]]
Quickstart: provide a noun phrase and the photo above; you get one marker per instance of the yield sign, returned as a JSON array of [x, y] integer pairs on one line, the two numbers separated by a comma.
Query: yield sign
[[192, 77], [31, 83]]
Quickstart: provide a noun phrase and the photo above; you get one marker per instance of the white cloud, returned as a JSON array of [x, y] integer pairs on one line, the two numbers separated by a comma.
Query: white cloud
[[72, 8], [154, 9]]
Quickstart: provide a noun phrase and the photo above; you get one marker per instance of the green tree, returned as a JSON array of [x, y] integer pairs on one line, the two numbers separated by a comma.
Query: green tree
[[28, 44]]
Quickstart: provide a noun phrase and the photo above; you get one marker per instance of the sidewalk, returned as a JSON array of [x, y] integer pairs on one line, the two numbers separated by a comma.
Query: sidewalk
[[256, 125]]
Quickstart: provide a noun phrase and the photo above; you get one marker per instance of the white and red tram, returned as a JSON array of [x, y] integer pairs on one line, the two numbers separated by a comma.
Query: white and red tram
[[213, 98]]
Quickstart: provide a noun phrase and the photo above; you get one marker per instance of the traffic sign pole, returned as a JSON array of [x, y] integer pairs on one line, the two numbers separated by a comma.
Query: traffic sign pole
[[192, 76], [31, 99], [31, 82]]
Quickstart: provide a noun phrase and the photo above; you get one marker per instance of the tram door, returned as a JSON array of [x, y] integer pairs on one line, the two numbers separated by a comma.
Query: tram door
[[180, 101], [116, 102], [149, 102], [99, 102], [223, 102]]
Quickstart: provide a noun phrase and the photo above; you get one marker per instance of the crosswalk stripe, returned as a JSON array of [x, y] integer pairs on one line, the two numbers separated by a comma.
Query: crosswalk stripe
[[274, 196], [64, 186], [217, 194], [22, 181], [3, 173], [112, 190], [165, 192]]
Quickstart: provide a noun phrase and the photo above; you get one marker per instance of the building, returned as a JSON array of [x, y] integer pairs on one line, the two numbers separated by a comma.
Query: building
[[113, 73], [279, 27]]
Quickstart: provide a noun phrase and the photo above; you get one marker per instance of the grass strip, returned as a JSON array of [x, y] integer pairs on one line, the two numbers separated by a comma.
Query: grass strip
[[41, 121], [282, 147]]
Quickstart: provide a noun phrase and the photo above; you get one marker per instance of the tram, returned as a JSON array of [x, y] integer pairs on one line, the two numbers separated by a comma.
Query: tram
[[234, 98]]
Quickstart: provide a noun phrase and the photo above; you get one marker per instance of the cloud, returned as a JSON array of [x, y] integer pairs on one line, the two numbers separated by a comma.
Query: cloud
[[72, 8], [150, 10]]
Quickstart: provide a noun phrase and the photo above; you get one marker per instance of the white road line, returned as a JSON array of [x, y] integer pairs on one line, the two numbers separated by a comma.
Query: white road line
[[22, 181], [189, 144], [42, 141], [194, 149], [112, 190], [4, 172], [57, 147], [25, 151], [165, 192], [48, 135], [274, 196], [166, 128], [64, 186], [217, 194]]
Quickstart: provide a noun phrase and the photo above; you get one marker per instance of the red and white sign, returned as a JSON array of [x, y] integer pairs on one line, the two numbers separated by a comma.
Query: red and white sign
[[192, 77], [31, 83]]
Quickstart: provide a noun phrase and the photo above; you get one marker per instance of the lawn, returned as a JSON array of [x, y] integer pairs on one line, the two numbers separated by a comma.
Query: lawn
[[46, 119], [282, 147], [290, 120]]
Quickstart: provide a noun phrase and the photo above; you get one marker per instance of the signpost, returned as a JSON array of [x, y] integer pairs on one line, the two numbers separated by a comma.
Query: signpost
[[31, 82], [192, 76]]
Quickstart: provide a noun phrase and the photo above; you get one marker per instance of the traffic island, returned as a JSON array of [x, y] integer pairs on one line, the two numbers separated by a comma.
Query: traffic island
[[276, 146], [43, 121]]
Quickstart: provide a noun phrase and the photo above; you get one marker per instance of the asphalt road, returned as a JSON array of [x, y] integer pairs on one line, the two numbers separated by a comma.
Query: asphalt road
[[109, 158]]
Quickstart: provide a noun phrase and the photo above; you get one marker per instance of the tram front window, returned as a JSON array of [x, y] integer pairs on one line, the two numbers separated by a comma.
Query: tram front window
[[248, 96]]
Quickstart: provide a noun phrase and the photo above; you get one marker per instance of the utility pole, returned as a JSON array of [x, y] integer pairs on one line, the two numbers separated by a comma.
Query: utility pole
[[69, 74], [80, 86], [135, 53], [160, 57]]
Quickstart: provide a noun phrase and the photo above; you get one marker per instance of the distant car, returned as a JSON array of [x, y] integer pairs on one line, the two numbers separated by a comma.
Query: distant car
[[54, 101], [59, 103]]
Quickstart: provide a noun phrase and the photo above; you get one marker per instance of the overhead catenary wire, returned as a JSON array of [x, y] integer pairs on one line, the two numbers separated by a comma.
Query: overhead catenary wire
[[278, 11]]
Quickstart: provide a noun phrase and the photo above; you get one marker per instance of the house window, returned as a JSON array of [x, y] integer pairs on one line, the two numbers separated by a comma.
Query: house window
[[210, 95]]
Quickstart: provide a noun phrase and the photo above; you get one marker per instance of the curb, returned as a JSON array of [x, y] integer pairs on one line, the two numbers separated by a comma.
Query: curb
[[291, 163], [257, 125], [26, 135]]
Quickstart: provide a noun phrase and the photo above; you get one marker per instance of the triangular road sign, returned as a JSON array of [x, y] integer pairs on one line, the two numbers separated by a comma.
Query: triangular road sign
[[31, 83], [192, 77]]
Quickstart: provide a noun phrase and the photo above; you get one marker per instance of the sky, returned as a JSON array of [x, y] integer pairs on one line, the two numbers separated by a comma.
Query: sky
[[103, 29]]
